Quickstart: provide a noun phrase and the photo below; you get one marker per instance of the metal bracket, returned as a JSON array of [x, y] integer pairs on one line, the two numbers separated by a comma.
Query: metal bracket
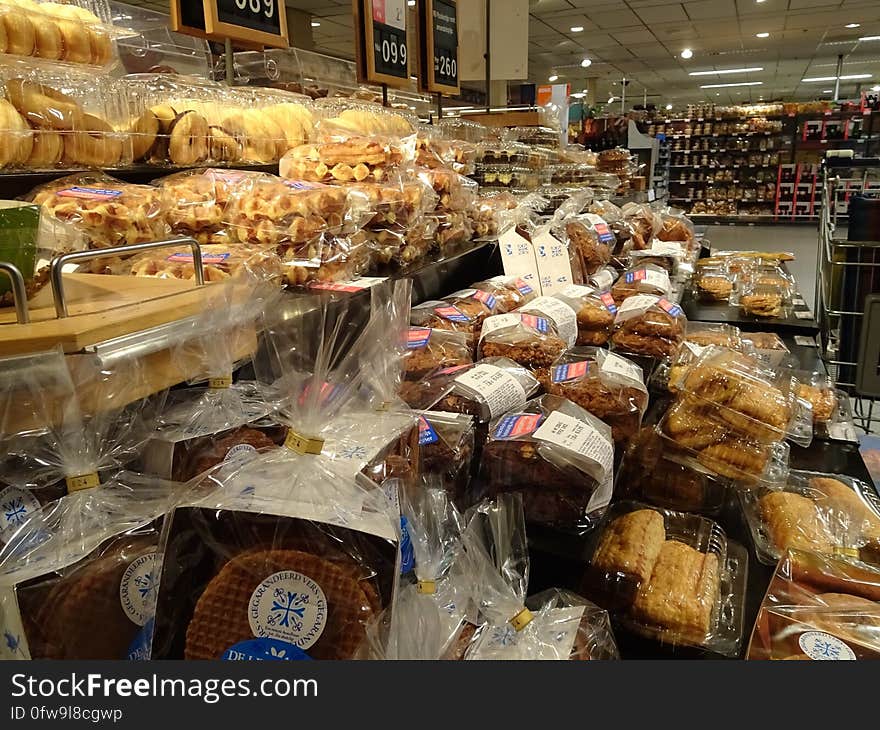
[[56, 267], [19, 292]]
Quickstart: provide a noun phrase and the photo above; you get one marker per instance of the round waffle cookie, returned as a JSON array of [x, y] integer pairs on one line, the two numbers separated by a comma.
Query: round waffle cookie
[[221, 616], [81, 616]]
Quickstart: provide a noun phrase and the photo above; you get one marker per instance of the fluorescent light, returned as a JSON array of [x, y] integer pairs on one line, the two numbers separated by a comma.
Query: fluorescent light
[[849, 77], [852, 25], [870, 38], [586, 63], [727, 71], [687, 53], [315, 24], [875, 88], [725, 86], [577, 29], [552, 78], [411, 3], [668, 107], [762, 35], [610, 99], [826, 91], [760, 1]]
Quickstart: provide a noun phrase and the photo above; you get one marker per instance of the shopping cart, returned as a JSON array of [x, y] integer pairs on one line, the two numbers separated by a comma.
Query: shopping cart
[[848, 273]]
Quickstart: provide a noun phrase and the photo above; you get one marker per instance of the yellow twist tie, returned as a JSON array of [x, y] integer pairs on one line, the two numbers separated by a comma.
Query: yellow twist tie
[[221, 383], [86, 481], [427, 587], [303, 444], [522, 619]]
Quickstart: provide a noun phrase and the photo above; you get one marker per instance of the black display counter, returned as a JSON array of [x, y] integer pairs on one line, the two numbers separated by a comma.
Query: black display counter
[[798, 320]]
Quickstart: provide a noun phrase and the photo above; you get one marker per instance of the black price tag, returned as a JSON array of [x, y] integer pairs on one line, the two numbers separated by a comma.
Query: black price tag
[[261, 15], [389, 50], [445, 22]]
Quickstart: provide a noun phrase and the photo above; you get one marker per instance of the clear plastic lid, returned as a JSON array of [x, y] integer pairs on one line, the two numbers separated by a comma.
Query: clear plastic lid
[[672, 576]]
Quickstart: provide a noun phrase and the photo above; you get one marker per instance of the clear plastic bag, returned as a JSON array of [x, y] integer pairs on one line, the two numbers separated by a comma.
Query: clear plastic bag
[[595, 313], [527, 339], [396, 205], [325, 257], [103, 211], [671, 576], [445, 316], [609, 386], [446, 448], [455, 193], [220, 262], [644, 279], [648, 326], [79, 579], [558, 456], [510, 292], [818, 607], [486, 214], [356, 159]]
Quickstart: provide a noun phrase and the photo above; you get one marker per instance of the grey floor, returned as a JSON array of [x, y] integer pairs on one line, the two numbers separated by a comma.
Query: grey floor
[[802, 241]]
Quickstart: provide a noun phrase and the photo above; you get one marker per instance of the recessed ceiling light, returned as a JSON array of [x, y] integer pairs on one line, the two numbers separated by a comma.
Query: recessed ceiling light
[[870, 38], [553, 78], [849, 77], [668, 107], [852, 25], [315, 24], [727, 71], [762, 35], [760, 1], [826, 91], [726, 86], [610, 99], [577, 29], [687, 53], [717, 93], [586, 63]]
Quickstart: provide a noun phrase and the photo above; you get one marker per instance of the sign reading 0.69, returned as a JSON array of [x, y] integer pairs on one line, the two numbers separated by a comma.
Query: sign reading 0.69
[[381, 41], [439, 47]]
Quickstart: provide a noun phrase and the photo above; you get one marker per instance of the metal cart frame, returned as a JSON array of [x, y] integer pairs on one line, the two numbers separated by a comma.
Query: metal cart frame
[[847, 274]]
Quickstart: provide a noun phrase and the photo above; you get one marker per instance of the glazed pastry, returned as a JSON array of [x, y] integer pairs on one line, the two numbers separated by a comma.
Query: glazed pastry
[[823, 401], [730, 458], [837, 497], [682, 591], [793, 521], [631, 544], [689, 424]]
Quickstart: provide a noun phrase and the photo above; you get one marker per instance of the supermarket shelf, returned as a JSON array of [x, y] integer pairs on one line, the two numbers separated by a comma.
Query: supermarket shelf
[[737, 200], [752, 220], [726, 135]]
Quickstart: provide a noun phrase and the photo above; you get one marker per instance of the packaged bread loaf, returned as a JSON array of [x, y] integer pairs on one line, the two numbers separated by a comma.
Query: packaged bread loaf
[[648, 325], [510, 292], [558, 456], [446, 447], [595, 313], [609, 386], [644, 279], [527, 339], [324, 257], [445, 316]]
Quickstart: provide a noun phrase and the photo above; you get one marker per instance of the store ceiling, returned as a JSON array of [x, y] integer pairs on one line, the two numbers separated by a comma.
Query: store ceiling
[[641, 40]]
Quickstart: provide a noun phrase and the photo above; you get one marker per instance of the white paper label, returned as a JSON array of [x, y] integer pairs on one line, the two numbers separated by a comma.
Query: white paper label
[[651, 196], [288, 606], [800, 302], [496, 387], [554, 264], [137, 589], [657, 280], [617, 365], [549, 637], [518, 258], [498, 322], [803, 315], [824, 647], [667, 248], [804, 341], [579, 437], [560, 313], [577, 292], [635, 306], [16, 506], [602, 279]]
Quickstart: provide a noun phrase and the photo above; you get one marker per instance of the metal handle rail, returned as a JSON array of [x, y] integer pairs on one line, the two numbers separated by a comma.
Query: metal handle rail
[[56, 267], [19, 292]]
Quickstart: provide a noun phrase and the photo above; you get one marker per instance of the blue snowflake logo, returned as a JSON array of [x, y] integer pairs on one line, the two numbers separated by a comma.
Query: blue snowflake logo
[[826, 649], [353, 452], [522, 249], [542, 251], [503, 636], [12, 642], [556, 251], [546, 281], [146, 584], [508, 249], [14, 511], [288, 609]]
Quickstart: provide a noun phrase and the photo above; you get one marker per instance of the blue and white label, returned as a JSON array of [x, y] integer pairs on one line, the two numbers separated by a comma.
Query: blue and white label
[[290, 607], [517, 425], [16, 505], [427, 434], [824, 647], [139, 649], [137, 589], [407, 554], [263, 650], [239, 453]]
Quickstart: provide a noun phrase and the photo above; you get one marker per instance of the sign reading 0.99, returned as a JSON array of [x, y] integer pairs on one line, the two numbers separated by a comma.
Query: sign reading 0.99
[[381, 41], [261, 22], [439, 46]]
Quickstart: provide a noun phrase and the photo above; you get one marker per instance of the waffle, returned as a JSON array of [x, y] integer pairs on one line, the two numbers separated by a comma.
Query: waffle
[[682, 591], [631, 544], [80, 616], [220, 619]]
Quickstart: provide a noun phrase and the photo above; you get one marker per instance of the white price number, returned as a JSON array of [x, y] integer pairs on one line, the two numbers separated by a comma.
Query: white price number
[[394, 51], [267, 7], [447, 67]]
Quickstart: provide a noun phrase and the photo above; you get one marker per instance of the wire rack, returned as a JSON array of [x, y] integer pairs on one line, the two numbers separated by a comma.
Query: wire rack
[[848, 272]]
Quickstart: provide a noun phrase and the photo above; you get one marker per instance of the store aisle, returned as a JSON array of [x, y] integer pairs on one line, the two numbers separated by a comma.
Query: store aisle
[[802, 241]]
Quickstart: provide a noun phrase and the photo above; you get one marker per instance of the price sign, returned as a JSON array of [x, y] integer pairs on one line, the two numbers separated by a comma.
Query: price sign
[[261, 22], [438, 47], [380, 29]]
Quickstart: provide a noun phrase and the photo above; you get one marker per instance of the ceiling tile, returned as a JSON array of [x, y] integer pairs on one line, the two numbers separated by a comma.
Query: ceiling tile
[[614, 19], [662, 14]]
